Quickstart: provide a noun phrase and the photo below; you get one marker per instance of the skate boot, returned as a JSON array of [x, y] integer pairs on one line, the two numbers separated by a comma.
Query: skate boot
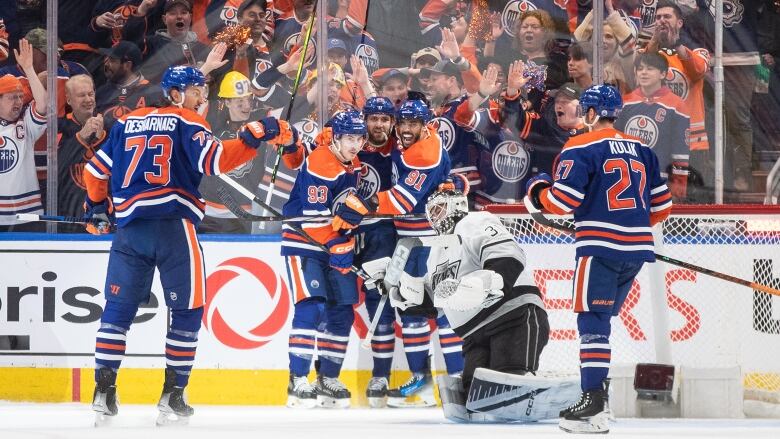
[[105, 402], [417, 392], [332, 393], [377, 392], [588, 415], [173, 404], [300, 394]]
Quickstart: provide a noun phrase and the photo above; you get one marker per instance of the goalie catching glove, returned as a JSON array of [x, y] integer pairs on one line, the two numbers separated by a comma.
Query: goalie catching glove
[[479, 289], [269, 129]]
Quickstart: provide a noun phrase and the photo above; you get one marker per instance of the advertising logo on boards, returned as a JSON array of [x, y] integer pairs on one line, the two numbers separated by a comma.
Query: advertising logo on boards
[[266, 282]]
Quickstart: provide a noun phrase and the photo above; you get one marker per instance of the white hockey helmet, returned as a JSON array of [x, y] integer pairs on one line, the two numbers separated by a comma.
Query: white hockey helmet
[[444, 209]]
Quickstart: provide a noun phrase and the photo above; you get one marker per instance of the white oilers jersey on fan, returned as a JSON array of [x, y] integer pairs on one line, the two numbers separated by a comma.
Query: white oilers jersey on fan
[[482, 238], [19, 190]]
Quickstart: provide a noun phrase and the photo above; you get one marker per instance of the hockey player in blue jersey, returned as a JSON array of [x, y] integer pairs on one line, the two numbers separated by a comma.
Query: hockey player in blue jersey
[[324, 288], [375, 239], [155, 158], [420, 165], [612, 183]]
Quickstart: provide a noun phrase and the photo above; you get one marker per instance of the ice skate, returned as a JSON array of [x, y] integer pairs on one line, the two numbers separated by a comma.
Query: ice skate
[[173, 406], [377, 392], [105, 402], [300, 394], [332, 393], [417, 392], [588, 415]]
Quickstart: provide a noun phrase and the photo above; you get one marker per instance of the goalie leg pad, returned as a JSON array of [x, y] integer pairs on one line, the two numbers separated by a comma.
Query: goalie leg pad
[[520, 398], [453, 402]]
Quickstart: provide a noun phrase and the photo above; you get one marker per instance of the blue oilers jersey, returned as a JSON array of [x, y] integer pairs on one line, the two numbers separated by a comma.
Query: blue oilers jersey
[[457, 139], [417, 173], [321, 184], [504, 162], [613, 185], [376, 174], [156, 158]]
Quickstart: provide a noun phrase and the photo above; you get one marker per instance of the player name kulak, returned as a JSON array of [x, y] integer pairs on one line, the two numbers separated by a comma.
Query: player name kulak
[[150, 124], [618, 147]]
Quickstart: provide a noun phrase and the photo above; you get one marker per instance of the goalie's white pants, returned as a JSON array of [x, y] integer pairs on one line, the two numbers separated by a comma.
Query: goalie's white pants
[[502, 397]]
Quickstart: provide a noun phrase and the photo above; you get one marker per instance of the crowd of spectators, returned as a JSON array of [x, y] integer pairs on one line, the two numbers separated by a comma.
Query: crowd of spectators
[[502, 76]]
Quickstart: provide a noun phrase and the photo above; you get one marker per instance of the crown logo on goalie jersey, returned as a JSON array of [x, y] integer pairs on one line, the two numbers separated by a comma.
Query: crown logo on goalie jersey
[[445, 270], [9, 154], [643, 127], [510, 161]]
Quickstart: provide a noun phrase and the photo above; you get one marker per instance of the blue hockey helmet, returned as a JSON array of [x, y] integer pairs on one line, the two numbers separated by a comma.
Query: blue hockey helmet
[[348, 122], [379, 105], [414, 109], [181, 77], [605, 99]]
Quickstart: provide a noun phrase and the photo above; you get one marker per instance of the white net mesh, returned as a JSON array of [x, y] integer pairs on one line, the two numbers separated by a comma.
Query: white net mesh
[[703, 321]]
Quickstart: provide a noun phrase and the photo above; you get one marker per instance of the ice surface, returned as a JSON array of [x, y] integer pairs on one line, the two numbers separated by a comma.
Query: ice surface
[[44, 421]]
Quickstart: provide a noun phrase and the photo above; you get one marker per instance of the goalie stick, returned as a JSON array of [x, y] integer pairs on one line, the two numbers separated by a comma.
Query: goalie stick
[[539, 217], [235, 208], [57, 219]]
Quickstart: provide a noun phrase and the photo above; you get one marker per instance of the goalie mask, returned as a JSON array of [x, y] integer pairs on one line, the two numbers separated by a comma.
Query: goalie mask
[[444, 209]]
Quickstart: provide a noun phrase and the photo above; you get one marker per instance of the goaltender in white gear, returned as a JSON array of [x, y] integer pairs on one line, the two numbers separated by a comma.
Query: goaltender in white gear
[[476, 274]]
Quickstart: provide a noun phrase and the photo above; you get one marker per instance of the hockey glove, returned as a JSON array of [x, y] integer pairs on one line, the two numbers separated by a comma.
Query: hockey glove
[[268, 129], [456, 182], [479, 289], [100, 216], [342, 250], [350, 213], [534, 186]]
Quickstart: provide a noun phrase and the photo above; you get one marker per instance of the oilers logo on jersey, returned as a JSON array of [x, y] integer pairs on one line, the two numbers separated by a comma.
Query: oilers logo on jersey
[[369, 181], [368, 56], [261, 65], [678, 82], [229, 14], [643, 127], [9, 154], [512, 12], [510, 161], [446, 132], [291, 41], [307, 130]]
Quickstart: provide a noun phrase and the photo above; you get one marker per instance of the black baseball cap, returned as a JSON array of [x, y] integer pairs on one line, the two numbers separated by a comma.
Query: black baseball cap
[[569, 90], [124, 51], [445, 67], [171, 3]]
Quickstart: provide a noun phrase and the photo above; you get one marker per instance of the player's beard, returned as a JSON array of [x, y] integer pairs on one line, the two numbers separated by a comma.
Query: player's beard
[[377, 140]]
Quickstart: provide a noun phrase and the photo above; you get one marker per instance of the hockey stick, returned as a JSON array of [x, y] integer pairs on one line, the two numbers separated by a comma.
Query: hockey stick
[[296, 84], [235, 208], [245, 192], [366, 343], [539, 217], [57, 219]]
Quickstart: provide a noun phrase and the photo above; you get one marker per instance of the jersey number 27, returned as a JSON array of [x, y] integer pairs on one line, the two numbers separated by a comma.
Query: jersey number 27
[[616, 192]]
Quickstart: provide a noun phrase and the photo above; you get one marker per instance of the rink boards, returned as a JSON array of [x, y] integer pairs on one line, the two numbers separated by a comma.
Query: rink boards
[[51, 294]]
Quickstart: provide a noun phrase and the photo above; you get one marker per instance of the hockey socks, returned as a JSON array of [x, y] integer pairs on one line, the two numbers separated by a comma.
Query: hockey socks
[[307, 316], [451, 346], [332, 342], [595, 351], [181, 343], [112, 336], [417, 342], [383, 341]]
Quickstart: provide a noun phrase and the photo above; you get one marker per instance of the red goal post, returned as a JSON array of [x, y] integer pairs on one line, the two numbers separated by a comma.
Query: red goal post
[[696, 320]]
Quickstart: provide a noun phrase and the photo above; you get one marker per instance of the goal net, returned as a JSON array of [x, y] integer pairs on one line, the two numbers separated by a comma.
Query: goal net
[[675, 315]]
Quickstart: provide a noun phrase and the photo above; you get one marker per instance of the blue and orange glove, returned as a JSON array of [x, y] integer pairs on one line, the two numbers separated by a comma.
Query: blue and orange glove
[[350, 213], [534, 186], [455, 182], [342, 251], [272, 130], [100, 215]]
